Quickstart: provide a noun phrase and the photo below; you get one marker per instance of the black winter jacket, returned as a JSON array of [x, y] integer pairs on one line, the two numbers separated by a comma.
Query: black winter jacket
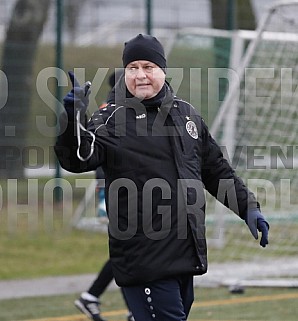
[[157, 161]]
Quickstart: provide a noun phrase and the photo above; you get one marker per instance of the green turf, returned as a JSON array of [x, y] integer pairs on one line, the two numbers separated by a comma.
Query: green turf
[[210, 304], [48, 244], [71, 252]]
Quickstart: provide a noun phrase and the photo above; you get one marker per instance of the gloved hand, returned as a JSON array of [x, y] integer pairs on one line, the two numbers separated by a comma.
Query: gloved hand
[[77, 98], [256, 222]]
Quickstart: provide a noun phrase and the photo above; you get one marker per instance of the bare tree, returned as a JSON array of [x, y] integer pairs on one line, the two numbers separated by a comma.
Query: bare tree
[[26, 24]]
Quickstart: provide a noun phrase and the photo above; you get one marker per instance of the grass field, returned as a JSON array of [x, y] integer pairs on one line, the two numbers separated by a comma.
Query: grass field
[[212, 304], [53, 246]]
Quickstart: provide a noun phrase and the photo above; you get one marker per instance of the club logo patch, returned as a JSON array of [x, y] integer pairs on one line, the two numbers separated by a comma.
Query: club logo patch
[[192, 130]]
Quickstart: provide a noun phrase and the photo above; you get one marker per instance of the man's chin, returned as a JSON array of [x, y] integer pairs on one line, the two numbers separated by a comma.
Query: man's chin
[[144, 95], [141, 96]]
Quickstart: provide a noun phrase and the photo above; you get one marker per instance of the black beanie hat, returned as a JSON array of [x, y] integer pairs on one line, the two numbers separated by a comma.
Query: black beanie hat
[[144, 47]]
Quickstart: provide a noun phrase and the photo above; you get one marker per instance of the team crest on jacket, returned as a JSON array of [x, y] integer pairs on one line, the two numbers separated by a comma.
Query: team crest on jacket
[[192, 129]]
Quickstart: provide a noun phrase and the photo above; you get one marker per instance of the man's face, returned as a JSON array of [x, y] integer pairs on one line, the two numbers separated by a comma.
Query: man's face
[[144, 79]]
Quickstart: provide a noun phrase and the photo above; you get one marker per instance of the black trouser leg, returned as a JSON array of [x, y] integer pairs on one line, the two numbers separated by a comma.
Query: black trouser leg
[[104, 278]]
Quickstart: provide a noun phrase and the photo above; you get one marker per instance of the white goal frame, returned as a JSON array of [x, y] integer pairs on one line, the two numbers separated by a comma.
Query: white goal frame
[[229, 103]]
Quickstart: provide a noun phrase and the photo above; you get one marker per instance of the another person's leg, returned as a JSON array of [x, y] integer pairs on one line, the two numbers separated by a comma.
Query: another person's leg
[[88, 302], [104, 278], [163, 300]]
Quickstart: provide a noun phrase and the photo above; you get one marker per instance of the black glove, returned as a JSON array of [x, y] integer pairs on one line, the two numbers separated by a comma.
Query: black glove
[[78, 98], [256, 222]]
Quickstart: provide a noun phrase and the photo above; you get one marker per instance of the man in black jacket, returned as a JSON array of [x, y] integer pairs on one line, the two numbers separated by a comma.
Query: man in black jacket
[[158, 157]]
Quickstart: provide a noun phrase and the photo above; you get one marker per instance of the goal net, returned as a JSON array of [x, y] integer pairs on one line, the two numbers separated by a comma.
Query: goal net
[[257, 128]]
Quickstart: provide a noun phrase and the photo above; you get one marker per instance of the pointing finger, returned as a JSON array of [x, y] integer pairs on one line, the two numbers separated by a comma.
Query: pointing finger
[[73, 79]]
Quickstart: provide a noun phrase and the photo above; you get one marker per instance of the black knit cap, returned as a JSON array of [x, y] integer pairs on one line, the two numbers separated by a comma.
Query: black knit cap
[[144, 47]]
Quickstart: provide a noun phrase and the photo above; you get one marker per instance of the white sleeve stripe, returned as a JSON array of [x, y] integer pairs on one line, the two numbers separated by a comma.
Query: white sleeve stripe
[[112, 114]]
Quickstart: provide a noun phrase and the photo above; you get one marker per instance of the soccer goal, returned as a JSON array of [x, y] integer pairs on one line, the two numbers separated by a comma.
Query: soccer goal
[[257, 122], [257, 127]]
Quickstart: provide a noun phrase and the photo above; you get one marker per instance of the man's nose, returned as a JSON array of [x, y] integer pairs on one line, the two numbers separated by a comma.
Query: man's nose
[[141, 73]]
